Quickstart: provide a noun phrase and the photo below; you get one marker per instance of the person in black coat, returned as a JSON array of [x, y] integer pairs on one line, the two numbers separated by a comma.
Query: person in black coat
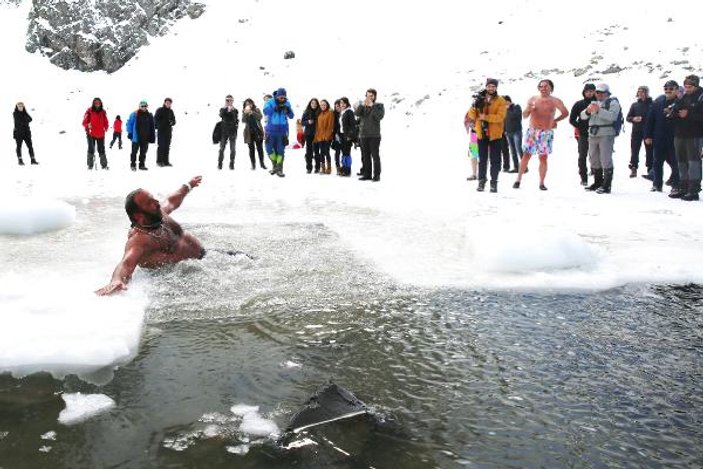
[[22, 133], [659, 133], [230, 124], [309, 120], [513, 132], [638, 118], [581, 128], [164, 119]]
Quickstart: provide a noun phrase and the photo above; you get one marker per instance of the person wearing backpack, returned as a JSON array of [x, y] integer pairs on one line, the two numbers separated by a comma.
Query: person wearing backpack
[[370, 114], [605, 119], [688, 138]]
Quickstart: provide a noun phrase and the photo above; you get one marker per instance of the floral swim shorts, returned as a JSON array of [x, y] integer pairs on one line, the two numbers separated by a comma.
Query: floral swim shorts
[[538, 141]]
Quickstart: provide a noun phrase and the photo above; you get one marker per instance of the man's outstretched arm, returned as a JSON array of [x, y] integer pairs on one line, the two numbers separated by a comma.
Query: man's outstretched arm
[[175, 200], [124, 270]]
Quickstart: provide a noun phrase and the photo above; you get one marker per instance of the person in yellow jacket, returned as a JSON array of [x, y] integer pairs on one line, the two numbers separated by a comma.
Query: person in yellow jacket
[[488, 113]]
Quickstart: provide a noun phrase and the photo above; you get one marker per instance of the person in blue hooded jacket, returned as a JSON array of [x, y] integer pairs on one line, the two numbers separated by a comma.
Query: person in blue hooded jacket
[[277, 110], [141, 131], [659, 132]]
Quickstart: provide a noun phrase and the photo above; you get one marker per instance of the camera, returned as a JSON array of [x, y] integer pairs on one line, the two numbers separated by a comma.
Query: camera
[[671, 110], [479, 104], [479, 99]]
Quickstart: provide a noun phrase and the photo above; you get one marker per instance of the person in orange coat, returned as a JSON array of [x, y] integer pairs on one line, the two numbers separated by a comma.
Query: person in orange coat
[[488, 112], [96, 124], [324, 134], [117, 132]]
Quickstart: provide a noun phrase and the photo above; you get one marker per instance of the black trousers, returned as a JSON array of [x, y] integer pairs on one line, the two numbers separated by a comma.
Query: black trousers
[[311, 151], [164, 148], [583, 155], [635, 145], [257, 145], [92, 141], [489, 149], [28, 140], [370, 154], [142, 147], [116, 136]]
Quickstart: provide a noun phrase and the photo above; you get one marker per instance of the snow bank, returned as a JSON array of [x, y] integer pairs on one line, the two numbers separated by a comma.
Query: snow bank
[[31, 215], [56, 324]]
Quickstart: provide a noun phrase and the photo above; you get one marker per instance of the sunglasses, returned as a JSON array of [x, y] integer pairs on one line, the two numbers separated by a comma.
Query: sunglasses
[[669, 89]]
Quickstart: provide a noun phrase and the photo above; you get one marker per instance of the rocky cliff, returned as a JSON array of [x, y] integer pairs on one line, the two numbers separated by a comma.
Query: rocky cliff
[[91, 35]]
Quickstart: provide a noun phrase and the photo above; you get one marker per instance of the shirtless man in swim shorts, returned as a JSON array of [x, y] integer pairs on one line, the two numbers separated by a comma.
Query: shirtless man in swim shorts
[[539, 136], [155, 238]]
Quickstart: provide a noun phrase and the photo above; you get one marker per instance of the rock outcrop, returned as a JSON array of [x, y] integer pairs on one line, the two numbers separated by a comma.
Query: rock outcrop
[[91, 35]]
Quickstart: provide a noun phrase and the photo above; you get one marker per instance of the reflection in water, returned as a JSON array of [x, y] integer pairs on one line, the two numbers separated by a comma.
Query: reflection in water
[[452, 377]]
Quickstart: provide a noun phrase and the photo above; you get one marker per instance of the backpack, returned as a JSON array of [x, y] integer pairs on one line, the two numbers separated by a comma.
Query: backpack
[[217, 133], [619, 121]]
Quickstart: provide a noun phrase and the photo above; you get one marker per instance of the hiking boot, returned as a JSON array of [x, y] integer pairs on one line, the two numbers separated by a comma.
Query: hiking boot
[[20, 162], [132, 167], [143, 168], [481, 185], [675, 194], [690, 196], [633, 172], [279, 172], [597, 180], [655, 189], [516, 185], [603, 190], [494, 186]]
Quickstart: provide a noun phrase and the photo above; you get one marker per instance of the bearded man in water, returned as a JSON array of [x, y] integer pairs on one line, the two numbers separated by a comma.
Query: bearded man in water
[[155, 238]]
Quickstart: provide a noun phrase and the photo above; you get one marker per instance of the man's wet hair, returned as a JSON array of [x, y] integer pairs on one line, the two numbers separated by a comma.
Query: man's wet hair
[[547, 81], [130, 205]]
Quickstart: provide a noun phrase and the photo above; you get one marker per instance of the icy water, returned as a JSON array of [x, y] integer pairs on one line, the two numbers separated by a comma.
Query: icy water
[[453, 378]]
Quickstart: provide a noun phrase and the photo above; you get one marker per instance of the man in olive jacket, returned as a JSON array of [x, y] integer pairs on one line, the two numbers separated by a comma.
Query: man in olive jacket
[[370, 114]]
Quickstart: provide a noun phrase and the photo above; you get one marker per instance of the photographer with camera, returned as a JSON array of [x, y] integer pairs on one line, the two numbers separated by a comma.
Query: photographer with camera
[[688, 138], [488, 112], [277, 110], [659, 132]]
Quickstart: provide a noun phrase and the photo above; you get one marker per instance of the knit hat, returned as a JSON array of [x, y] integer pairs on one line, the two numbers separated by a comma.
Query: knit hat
[[692, 80], [603, 88], [143, 103], [280, 92], [671, 84], [589, 87], [644, 88], [491, 81]]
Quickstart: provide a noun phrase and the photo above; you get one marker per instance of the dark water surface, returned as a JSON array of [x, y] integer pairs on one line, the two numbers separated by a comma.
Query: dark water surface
[[455, 378]]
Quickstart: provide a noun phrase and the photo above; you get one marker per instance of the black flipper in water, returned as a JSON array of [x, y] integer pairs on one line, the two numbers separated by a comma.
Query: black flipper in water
[[328, 404]]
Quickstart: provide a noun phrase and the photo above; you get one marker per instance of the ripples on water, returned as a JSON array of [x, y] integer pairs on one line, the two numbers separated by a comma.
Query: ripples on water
[[455, 378]]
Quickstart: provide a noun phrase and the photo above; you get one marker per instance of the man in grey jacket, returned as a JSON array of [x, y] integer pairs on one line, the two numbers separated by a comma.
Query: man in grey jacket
[[601, 115], [370, 114]]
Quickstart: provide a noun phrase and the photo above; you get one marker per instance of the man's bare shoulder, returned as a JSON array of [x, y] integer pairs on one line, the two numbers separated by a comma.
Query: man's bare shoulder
[[137, 239]]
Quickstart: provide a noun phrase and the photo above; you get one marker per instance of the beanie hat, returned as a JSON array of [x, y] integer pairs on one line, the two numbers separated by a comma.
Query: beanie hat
[[280, 92], [671, 84], [645, 89], [491, 81], [143, 103], [692, 80], [589, 87]]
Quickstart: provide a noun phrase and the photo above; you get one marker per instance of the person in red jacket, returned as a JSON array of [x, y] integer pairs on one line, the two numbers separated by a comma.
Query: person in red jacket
[[96, 124], [117, 132]]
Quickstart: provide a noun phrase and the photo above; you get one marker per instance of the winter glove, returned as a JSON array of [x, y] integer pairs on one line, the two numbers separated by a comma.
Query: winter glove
[[129, 136]]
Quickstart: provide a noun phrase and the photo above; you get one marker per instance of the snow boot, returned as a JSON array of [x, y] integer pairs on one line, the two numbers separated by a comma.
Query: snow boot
[[481, 185], [679, 192], [607, 182], [494, 186], [597, 179], [20, 162]]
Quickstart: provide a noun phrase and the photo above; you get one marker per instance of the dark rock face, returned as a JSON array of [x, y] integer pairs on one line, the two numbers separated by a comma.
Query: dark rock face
[[91, 35]]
